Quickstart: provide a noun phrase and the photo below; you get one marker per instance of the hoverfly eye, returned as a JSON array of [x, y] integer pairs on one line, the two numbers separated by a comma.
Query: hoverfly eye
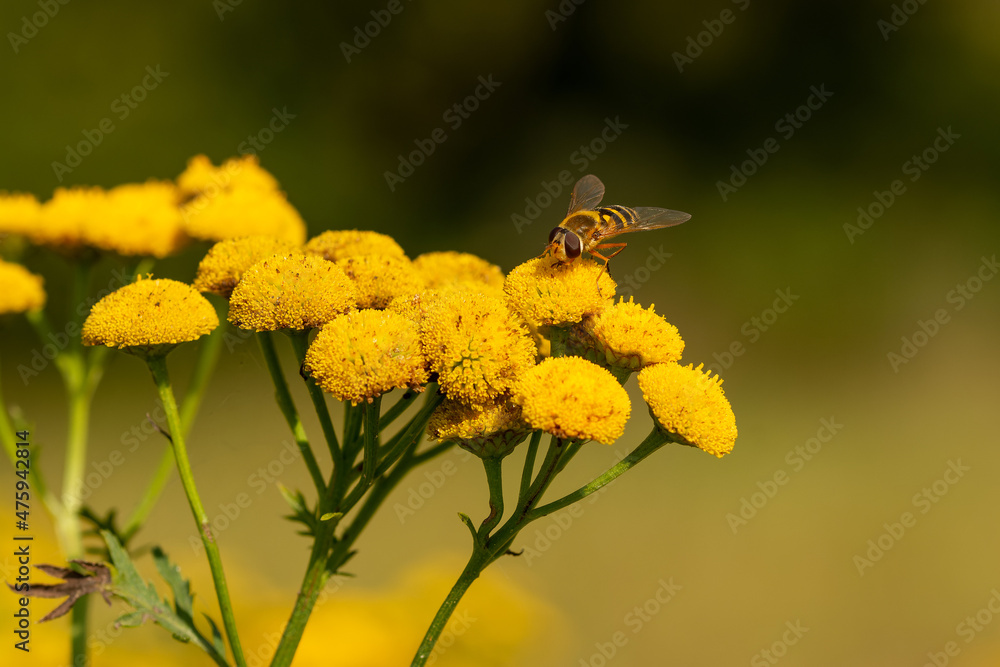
[[572, 245], [553, 233]]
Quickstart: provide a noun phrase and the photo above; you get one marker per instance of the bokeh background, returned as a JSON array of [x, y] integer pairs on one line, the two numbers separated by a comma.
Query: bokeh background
[[683, 130]]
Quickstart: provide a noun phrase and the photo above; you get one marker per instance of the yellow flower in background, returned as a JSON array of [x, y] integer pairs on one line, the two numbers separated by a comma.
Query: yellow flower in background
[[445, 268], [476, 346], [690, 405], [201, 176], [225, 262], [137, 219], [18, 212], [363, 354], [571, 397], [63, 220], [561, 294], [149, 316], [492, 430], [381, 278], [21, 289], [292, 291], [341, 244], [629, 336], [243, 211]]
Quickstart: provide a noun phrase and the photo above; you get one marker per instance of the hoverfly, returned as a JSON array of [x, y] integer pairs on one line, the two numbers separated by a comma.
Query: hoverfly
[[586, 225]]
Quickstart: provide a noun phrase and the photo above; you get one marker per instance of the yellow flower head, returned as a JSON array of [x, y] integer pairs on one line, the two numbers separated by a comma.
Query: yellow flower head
[[629, 336], [571, 397], [201, 176], [363, 354], [64, 220], [413, 306], [560, 294], [341, 244], [243, 211], [445, 268], [476, 346], [22, 290], [138, 219], [18, 212], [491, 431], [290, 291], [381, 278], [690, 405], [221, 268], [149, 317]]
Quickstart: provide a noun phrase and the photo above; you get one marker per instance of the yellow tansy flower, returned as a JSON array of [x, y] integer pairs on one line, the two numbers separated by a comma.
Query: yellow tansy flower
[[222, 266], [291, 291], [445, 268], [243, 211], [149, 317], [344, 243], [690, 405], [63, 219], [201, 176], [476, 346], [138, 219], [571, 397], [363, 354], [561, 294], [18, 212], [381, 278], [629, 336], [22, 290], [491, 431]]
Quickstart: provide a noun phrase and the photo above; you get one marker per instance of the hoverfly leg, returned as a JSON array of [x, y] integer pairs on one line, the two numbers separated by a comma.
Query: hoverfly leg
[[607, 260]]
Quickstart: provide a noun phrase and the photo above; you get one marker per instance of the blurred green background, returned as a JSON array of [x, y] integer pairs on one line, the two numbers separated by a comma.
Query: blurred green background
[[561, 77]]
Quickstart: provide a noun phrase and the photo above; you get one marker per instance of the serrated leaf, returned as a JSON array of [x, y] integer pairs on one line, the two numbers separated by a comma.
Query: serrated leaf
[[216, 636], [132, 619], [143, 597]]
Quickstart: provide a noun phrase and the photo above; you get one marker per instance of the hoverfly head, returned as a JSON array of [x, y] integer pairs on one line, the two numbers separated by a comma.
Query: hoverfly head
[[564, 245]]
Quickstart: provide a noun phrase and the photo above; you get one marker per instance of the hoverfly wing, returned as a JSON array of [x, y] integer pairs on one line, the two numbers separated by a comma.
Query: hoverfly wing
[[587, 194], [648, 217]]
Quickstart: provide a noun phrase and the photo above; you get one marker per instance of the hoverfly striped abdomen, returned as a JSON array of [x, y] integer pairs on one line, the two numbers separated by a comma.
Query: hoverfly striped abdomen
[[619, 216]]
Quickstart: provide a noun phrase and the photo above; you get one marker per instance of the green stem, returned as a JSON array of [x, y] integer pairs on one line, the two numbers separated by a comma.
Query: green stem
[[300, 341], [413, 430], [477, 562], [208, 357], [653, 442], [398, 408], [494, 479], [158, 367], [529, 464], [287, 406], [354, 417], [371, 442]]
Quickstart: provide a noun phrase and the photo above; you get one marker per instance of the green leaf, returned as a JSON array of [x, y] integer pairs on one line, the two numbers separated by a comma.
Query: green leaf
[[300, 510], [128, 585]]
